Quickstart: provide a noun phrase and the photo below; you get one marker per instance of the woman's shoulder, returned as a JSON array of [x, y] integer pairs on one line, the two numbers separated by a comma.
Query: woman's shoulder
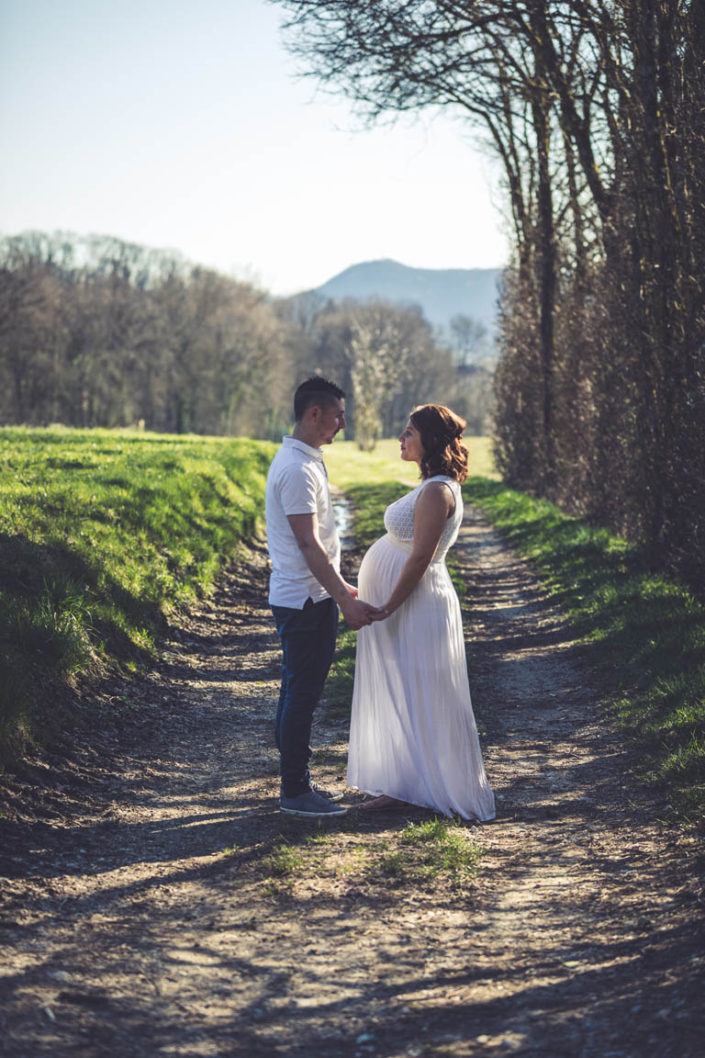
[[441, 479], [440, 486], [435, 484]]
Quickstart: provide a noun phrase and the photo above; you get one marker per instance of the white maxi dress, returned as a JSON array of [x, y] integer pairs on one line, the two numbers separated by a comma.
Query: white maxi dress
[[412, 733]]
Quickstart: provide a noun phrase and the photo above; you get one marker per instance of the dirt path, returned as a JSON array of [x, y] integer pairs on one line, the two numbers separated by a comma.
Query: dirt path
[[165, 908]]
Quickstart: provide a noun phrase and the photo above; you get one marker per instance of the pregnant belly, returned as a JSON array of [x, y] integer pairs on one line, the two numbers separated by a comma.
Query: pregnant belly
[[380, 569]]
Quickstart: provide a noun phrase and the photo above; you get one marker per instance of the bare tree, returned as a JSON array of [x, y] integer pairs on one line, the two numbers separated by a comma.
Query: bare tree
[[594, 108]]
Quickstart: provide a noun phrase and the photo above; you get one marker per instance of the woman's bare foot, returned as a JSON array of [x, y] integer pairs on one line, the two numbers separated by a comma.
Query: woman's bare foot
[[382, 804]]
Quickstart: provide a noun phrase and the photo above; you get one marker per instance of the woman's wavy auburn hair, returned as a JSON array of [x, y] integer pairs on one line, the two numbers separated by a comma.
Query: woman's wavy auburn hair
[[441, 431]]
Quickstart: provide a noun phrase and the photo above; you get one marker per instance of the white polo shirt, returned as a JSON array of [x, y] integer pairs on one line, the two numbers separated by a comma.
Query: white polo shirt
[[297, 483]]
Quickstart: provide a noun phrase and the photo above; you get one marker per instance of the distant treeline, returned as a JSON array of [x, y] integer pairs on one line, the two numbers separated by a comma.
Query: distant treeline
[[98, 332]]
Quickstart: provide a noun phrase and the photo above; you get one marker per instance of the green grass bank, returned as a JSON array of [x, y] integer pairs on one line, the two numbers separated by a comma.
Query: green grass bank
[[102, 534], [644, 633]]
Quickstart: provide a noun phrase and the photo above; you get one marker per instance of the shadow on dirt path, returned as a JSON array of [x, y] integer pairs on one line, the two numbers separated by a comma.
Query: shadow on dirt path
[[157, 904]]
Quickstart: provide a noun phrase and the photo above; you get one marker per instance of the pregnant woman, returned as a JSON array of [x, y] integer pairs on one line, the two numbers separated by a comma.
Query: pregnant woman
[[413, 737]]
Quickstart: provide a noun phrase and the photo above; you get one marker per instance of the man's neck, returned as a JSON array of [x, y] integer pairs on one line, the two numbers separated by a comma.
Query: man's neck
[[299, 433]]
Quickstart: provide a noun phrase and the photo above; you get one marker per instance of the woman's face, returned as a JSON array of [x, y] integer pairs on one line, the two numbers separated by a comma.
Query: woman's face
[[411, 447]]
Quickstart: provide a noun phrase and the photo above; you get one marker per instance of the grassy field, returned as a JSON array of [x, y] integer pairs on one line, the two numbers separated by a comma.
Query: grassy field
[[348, 466], [102, 534]]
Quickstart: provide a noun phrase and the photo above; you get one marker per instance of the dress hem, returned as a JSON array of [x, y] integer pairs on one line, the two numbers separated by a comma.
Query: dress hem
[[431, 808]]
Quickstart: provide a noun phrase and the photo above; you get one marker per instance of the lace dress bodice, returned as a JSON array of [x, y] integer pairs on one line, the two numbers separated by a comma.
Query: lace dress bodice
[[399, 518]]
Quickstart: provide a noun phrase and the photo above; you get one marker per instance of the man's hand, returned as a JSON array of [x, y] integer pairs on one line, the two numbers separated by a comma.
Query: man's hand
[[357, 613]]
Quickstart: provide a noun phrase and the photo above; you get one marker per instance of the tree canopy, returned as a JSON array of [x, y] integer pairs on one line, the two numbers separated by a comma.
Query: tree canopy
[[99, 332], [594, 109]]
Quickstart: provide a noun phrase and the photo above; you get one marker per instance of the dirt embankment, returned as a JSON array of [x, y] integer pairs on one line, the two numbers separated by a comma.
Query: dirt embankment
[[156, 903]]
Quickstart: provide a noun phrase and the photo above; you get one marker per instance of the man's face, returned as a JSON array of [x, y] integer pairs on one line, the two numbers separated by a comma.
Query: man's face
[[331, 420]]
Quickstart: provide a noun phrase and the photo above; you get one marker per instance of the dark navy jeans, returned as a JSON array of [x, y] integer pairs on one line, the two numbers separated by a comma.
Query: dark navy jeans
[[308, 643]]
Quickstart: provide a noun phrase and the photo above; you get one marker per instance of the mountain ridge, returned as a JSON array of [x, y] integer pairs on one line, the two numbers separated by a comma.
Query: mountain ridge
[[440, 292]]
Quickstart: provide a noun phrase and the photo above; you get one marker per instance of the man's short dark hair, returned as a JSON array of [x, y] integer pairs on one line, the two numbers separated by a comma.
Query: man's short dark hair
[[315, 390]]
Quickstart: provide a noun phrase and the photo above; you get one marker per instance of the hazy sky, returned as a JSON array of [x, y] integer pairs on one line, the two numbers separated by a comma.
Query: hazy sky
[[181, 124]]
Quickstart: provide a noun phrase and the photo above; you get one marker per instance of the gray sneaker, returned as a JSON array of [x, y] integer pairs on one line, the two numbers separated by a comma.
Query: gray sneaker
[[310, 804]]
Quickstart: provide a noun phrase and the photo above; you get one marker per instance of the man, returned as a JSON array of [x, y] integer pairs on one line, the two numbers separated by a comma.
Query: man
[[306, 588]]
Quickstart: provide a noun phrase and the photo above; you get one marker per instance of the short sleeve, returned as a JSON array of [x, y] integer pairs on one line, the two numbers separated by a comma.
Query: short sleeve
[[298, 491]]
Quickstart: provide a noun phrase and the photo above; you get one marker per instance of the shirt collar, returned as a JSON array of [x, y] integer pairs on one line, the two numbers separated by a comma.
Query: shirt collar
[[293, 442]]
